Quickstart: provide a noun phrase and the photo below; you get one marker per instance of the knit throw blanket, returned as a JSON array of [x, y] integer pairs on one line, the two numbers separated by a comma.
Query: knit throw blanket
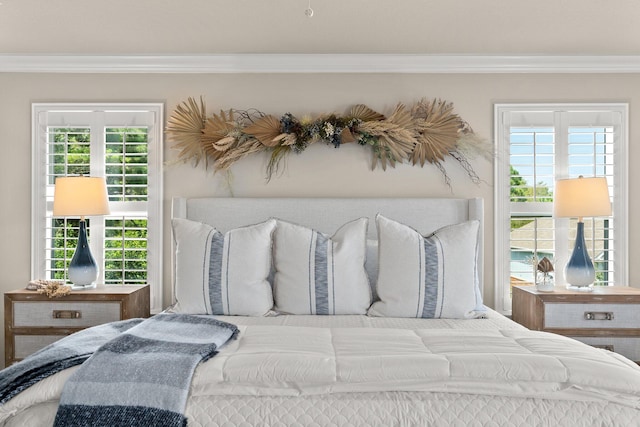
[[142, 377], [64, 353]]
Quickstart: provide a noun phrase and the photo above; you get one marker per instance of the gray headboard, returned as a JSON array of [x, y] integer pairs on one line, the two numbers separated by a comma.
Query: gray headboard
[[328, 214]]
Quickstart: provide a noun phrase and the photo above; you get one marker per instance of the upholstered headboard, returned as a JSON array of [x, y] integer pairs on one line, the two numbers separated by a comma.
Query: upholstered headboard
[[328, 214]]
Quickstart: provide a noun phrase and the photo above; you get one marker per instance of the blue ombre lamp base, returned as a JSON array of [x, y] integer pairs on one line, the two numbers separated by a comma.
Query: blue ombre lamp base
[[579, 271], [83, 270]]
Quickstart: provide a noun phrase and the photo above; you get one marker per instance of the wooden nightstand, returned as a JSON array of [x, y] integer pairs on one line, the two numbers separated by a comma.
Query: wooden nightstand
[[32, 320], [608, 317]]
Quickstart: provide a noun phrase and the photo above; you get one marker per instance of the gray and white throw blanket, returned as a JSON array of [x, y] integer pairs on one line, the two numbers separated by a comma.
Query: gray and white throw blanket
[[64, 353], [139, 373]]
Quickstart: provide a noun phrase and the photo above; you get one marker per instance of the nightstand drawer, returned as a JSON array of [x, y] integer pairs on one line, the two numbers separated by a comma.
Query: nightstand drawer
[[63, 314], [591, 316], [24, 345], [629, 347]]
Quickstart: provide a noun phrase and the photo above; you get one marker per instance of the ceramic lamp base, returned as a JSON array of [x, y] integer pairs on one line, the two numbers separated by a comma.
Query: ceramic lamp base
[[579, 272], [83, 270]]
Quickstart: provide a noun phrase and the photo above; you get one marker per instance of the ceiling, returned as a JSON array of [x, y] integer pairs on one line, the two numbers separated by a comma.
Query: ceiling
[[164, 27]]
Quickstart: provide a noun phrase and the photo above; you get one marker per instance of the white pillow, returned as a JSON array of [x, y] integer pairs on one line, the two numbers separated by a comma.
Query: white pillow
[[318, 274], [433, 276], [220, 273]]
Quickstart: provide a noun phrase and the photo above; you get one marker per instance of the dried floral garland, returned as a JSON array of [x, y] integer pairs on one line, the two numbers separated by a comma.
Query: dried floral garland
[[427, 132]]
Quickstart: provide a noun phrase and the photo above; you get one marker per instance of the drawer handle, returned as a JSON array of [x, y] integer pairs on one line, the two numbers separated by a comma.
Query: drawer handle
[[598, 315], [67, 314]]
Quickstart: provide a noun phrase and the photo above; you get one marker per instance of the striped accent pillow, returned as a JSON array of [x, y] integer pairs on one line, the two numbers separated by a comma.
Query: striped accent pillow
[[223, 273], [433, 276], [318, 274]]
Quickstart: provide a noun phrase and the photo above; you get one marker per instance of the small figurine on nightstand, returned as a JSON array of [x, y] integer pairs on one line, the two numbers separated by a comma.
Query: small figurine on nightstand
[[51, 288], [544, 276]]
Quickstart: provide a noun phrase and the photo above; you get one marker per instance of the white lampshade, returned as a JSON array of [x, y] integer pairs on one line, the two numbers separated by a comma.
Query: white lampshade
[[80, 196], [580, 197]]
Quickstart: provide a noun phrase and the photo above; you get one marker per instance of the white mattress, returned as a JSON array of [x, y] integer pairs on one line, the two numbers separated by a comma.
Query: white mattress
[[332, 375]]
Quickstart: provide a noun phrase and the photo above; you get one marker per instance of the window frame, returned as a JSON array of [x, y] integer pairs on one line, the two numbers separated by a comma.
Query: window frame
[[39, 184], [502, 203]]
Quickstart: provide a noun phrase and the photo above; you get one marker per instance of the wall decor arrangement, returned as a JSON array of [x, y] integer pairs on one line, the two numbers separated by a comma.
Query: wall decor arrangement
[[428, 132]]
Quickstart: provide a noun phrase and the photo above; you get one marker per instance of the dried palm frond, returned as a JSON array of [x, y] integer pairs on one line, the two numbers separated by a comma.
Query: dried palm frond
[[185, 127], [393, 143], [219, 126], [364, 113], [437, 131], [215, 136], [401, 117], [346, 136], [265, 129]]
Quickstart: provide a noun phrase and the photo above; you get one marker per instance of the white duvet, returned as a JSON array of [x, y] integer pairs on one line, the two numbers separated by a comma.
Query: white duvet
[[404, 368]]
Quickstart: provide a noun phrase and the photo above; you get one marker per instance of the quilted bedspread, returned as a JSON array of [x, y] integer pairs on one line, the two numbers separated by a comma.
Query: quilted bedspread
[[276, 375]]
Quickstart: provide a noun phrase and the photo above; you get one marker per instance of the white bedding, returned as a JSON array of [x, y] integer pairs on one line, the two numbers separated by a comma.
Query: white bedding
[[363, 371]]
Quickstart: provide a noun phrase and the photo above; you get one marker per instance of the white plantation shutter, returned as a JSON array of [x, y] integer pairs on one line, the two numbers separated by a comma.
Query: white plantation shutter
[[121, 142], [538, 144]]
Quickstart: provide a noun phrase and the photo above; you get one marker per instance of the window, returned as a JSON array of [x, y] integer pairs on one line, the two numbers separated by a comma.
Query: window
[[538, 144], [121, 142]]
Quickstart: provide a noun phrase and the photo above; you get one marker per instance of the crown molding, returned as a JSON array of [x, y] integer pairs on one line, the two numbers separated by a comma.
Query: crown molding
[[319, 63]]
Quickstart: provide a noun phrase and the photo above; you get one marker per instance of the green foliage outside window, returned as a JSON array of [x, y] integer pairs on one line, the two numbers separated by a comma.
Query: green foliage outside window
[[126, 163], [69, 151], [521, 191], [61, 254], [126, 251]]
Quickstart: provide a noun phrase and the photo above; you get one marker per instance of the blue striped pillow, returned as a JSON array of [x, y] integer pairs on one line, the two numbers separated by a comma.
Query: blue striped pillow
[[319, 274], [434, 276], [223, 273]]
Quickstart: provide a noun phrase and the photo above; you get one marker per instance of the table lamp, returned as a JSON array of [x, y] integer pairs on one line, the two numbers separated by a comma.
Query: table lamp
[[577, 198], [81, 196]]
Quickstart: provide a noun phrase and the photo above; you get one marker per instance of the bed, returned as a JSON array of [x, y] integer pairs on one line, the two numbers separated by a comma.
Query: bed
[[313, 349]]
